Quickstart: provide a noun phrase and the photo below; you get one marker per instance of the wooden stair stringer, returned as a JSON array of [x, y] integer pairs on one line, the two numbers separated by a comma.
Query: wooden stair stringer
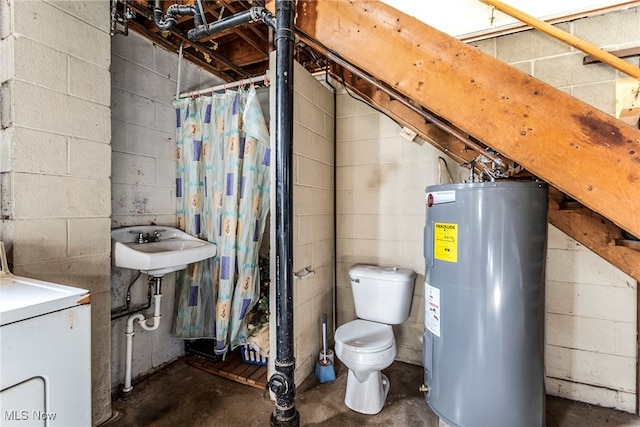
[[588, 228], [574, 147]]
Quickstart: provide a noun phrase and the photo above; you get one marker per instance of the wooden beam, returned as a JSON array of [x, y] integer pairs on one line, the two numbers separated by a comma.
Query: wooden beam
[[594, 232], [586, 153]]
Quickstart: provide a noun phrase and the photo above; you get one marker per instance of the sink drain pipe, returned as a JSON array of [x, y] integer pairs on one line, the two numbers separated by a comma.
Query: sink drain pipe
[[282, 382], [142, 321]]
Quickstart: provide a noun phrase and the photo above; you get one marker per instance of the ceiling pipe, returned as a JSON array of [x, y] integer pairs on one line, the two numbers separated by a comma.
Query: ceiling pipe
[[166, 21], [250, 15]]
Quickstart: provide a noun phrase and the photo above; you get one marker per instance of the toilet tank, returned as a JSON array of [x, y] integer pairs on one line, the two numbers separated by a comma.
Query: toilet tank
[[382, 294]]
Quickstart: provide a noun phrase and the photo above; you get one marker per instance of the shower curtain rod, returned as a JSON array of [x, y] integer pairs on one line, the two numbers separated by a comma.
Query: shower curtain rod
[[225, 86]]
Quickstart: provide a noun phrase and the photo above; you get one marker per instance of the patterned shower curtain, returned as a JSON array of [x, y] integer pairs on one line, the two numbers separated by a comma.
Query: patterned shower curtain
[[222, 191]]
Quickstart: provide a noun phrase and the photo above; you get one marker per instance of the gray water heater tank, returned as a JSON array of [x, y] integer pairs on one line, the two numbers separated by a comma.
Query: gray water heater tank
[[485, 248]]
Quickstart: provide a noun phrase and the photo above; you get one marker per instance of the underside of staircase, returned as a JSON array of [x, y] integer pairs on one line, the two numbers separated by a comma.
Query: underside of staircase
[[411, 71]]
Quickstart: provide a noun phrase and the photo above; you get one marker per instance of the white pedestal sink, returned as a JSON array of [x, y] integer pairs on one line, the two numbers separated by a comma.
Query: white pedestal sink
[[157, 250]]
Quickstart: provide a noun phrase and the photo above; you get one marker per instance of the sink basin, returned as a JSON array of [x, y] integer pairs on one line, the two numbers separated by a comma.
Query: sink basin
[[173, 250]]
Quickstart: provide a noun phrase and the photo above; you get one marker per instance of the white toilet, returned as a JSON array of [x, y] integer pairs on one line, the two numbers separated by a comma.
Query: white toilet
[[382, 297]]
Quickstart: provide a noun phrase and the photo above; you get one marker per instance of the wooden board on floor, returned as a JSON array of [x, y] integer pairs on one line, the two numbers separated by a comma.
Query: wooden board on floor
[[234, 369]]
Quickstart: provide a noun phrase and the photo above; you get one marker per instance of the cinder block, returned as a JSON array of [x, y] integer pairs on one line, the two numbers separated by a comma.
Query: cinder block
[[322, 201], [303, 82], [323, 149], [556, 239], [89, 81], [365, 201], [593, 335], [302, 140], [559, 297], [413, 257], [308, 172], [302, 200], [344, 105], [100, 375], [79, 117], [89, 158], [148, 84], [581, 266], [322, 97], [557, 362], [133, 47], [539, 45], [89, 272], [39, 64], [487, 46], [568, 70], [49, 196], [582, 392], [148, 142], [599, 95], [605, 370], [133, 109], [344, 201], [39, 240], [87, 236], [42, 22], [38, 152], [7, 53], [166, 173], [93, 13], [604, 302], [367, 152], [142, 202], [365, 176], [626, 339], [117, 72], [361, 127], [165, 117], [598, 29], [323, 259], [310, 115]]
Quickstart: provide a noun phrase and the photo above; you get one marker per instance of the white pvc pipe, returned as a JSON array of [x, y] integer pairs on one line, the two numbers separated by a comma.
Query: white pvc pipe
[[142, 321]]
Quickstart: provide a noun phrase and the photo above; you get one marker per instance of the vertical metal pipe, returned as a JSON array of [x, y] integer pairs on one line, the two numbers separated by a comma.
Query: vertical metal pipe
[[282, 382]]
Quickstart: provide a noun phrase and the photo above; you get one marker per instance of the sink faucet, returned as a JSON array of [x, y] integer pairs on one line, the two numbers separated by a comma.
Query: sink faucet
[[156, 235], [148, 237]]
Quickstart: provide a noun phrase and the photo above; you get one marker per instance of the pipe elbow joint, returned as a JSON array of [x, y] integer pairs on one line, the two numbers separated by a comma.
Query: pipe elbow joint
[[163, 22]]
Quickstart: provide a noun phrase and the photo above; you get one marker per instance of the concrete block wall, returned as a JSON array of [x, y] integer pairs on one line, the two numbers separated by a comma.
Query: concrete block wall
[[313, 212], [381, 178], [591, 306], [144, 81], [56, 157]]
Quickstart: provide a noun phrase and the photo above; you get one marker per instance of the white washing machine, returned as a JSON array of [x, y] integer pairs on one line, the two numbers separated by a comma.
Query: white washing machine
[[45, 352]]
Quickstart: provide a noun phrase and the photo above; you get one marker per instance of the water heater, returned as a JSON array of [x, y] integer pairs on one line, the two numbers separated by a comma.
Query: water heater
[[485, 247]]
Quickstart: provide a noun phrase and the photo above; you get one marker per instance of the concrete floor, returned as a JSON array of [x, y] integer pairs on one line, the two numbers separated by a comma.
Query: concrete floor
[[183, 395]]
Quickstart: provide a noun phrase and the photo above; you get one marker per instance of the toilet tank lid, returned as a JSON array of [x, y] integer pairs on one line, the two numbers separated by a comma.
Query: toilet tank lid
[[369, 271]]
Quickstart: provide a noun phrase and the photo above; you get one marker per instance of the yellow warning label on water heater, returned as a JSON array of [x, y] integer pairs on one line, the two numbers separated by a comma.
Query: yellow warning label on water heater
[[446, 242]]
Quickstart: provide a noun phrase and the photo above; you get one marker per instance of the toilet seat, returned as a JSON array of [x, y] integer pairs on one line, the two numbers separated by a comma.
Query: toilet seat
[[363, 336]]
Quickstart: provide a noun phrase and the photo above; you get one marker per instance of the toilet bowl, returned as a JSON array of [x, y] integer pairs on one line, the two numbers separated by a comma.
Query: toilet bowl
[[366, 346]]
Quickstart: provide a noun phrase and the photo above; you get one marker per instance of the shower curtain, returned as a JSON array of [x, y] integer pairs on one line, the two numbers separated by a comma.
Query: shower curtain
[[222, 192]]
